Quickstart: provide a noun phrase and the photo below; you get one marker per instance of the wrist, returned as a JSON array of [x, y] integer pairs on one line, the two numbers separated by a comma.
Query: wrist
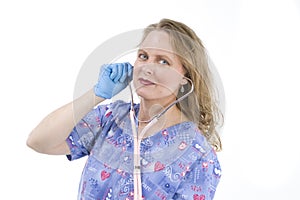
[[97, 99], [101, 93]]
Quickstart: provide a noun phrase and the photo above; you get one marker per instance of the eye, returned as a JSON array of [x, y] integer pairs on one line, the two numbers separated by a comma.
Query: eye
[[164, 62], [143, 56]]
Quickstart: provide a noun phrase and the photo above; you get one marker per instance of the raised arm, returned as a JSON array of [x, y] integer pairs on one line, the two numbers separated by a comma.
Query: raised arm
[[49, 137], [50, 134]]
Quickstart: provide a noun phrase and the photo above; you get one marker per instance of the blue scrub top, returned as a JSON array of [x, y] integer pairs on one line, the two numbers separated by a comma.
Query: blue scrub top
[[176, 162]]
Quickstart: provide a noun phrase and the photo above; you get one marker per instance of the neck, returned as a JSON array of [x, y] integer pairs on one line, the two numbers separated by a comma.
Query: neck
[[150, 109]]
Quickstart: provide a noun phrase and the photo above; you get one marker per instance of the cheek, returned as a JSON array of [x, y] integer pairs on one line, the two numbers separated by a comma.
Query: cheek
[[136, 67], [169, 85], [135, 62], [170, 79], [136, 72]]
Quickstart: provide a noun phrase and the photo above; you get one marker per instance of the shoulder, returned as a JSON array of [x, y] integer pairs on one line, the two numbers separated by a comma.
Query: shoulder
[[207, 155], [204, 172], [110, 110], [201, 144], [209, 158], [115, 107], [115, 115]]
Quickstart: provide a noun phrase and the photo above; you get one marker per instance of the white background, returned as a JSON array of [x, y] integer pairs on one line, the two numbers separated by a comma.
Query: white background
[[254, 44]]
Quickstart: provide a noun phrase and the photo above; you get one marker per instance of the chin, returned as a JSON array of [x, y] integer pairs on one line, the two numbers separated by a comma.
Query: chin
[[145, 95]]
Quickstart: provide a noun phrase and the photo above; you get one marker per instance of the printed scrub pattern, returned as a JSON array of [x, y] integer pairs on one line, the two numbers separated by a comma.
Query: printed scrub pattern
[[177, 162]]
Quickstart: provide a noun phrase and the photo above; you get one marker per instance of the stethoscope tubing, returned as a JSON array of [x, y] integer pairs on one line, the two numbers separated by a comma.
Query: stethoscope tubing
[[138, 137]]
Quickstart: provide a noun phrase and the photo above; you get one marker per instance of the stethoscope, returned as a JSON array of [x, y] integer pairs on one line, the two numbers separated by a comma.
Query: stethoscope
[[138, 138]]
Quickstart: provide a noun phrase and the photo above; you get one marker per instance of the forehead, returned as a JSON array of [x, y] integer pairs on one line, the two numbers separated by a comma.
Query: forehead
[[159, 40]]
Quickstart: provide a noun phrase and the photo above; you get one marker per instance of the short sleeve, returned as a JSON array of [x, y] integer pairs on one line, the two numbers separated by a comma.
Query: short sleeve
[[202, 181], [83, 135]]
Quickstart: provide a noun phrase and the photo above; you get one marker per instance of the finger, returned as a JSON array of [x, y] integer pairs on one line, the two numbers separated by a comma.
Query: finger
[[119, 70], [124, 72], [104, 71], [113, 70], [130, 72]]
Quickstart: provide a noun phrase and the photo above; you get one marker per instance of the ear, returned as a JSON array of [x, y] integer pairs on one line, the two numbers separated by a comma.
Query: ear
[[183, 81]]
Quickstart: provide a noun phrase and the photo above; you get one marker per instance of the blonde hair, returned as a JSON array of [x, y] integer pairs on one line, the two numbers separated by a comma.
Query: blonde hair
[[200, 106]]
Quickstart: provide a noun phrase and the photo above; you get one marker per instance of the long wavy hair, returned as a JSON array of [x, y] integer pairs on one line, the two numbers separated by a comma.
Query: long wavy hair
[[200, 106]]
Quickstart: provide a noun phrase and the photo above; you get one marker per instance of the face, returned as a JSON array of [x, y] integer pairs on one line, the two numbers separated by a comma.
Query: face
[[158, 72]]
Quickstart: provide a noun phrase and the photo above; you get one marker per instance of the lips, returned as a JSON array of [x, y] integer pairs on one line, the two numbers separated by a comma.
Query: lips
[[145, 82]]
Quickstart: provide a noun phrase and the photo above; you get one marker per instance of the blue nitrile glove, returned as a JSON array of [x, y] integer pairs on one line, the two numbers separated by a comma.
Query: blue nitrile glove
[[113, 78]]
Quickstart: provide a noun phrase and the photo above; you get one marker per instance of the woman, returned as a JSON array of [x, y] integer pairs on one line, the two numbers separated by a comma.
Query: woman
[[177, 153]]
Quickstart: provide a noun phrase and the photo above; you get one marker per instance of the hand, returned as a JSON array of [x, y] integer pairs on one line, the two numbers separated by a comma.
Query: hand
[[113, 78]]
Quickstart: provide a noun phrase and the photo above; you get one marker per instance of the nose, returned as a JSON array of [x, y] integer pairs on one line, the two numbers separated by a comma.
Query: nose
[[148, 69]]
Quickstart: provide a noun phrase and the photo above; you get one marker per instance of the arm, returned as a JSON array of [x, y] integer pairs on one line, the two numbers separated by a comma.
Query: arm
[[50, 134]]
